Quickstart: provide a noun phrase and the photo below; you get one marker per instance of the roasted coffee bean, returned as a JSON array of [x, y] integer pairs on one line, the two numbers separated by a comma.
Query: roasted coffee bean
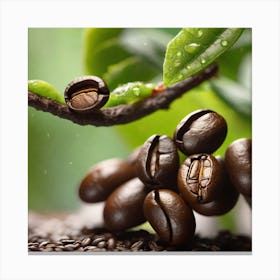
[[170, 216], [86, 94], [124, 207], [158, 162], [97, 240], [202, 131], [226, 198], [104, 178], [86, 241], [238, 159], [200, 178], [111, 243]]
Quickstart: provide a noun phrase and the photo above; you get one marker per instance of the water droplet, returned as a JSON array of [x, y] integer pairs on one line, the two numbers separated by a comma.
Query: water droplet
[[179, 54], [177, 63], [48, 135], [191, 48], [199, 33], [188, 67], [203, 61], [224, 43], [181, 77], [136, 91], [145, 44], [45, 172], [70, 162]]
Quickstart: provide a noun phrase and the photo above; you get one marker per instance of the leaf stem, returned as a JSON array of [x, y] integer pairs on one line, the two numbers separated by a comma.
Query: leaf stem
[[123, 114]]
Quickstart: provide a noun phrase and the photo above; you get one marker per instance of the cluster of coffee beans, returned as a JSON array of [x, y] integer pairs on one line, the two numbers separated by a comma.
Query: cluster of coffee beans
[[151, 184]]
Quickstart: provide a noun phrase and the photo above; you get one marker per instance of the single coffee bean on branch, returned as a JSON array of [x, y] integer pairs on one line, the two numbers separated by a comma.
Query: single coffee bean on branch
[[238, 159], [170, 216], [200, 178], [226, 199], [104, 178], [124, 207], [158, 162], [202, 131], [86, 94]]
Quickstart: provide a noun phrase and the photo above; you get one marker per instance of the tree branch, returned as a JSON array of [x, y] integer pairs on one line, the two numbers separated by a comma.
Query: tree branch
[[123, 113]]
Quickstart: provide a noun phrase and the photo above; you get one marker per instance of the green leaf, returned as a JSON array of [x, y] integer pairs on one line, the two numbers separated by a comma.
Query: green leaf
[[245, 71], [45, 89], [233, 93], [130, 93], [128, 70], [102, 49], [150, 44], [230, 61], [125, 55], [195, 48]]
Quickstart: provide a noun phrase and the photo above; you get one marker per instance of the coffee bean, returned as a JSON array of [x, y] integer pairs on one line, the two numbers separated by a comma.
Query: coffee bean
[[86, 94], [86, 241], [137, 245], [101, 244], [111, 243], [104, 178], [200, 178], [158, 162], [67, 241], [169, 216], [97, 240], [202, 131], [124, 207], [44, 243], [225, 200], [238, 159]]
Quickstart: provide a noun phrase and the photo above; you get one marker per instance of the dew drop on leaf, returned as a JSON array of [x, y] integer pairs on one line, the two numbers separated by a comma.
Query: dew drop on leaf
[[179, 54], [191, 48], [224, 43], [203, 61], [199, 33], [136, 91], [177, 63]]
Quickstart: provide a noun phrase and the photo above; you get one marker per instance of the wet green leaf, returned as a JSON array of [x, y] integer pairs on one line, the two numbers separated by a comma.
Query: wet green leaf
[[130, 93], [128, 70], [233, 93], [125, 55], [195, 48], [45, 89]]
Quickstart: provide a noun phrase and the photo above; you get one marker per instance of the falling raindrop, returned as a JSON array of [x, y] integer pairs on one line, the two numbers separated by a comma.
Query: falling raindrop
[[45, 172], [48, 135], [70, 162]]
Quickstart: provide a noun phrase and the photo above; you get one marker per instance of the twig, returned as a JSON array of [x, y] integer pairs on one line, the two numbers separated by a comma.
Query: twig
[[122, 114]]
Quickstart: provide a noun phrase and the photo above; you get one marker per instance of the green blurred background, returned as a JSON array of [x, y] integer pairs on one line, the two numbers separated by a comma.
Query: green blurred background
[[60, 152]]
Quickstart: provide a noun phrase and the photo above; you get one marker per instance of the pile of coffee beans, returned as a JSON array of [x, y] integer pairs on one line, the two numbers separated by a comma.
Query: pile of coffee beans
[[152, 185], [53, 234]]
